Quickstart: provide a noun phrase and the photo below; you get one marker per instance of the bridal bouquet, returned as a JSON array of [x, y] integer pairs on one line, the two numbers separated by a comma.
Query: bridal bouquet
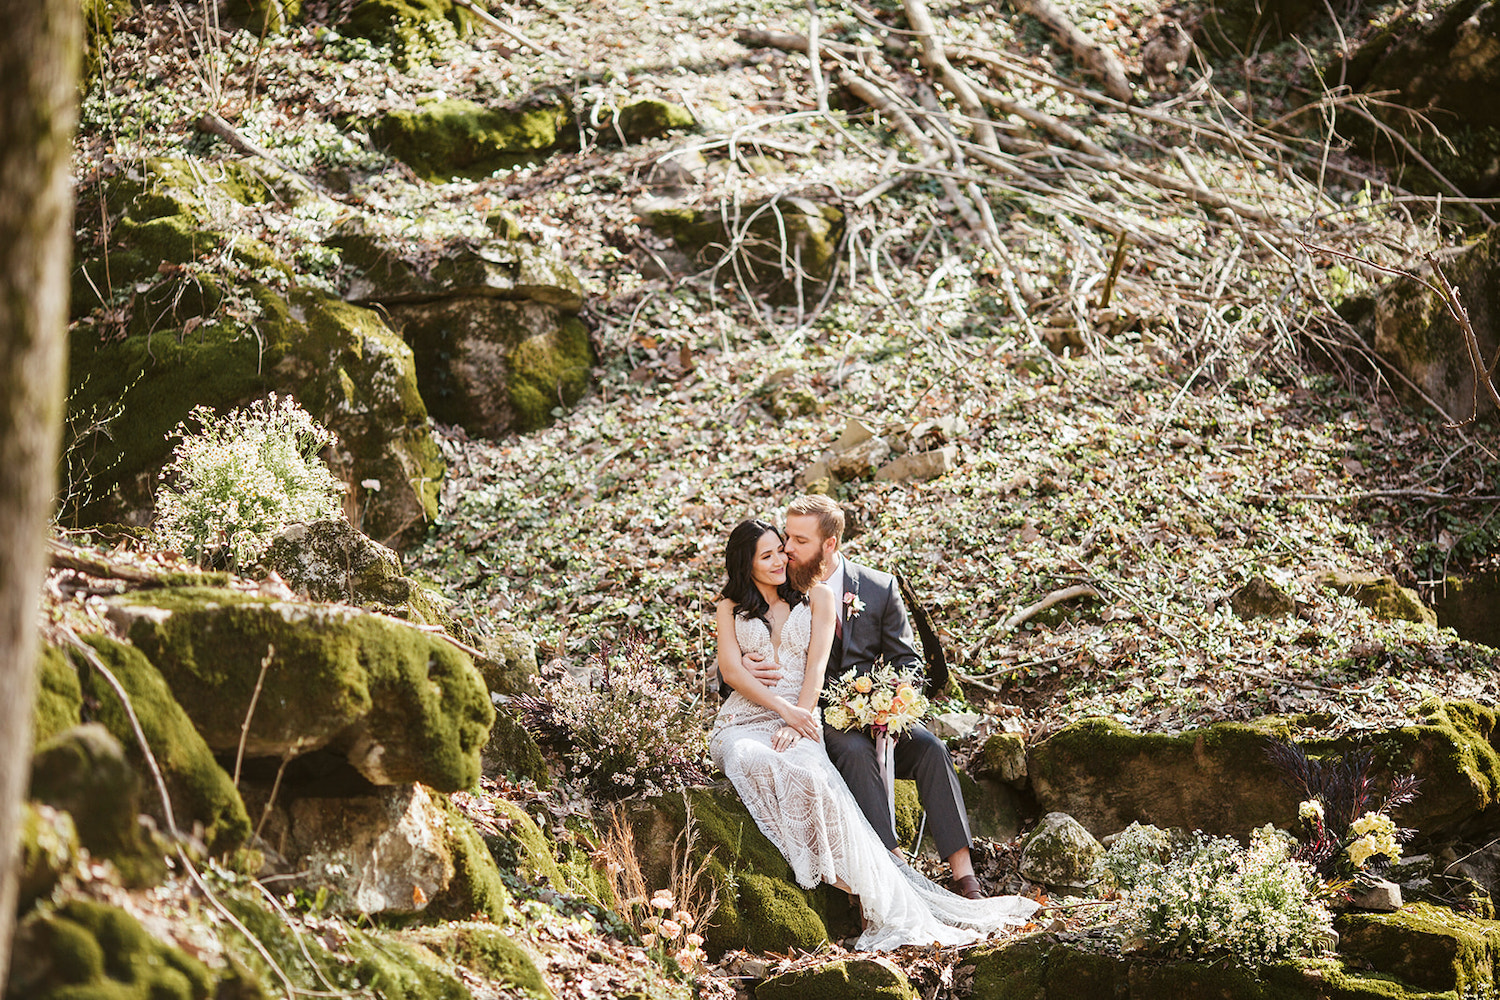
[[883, 700]]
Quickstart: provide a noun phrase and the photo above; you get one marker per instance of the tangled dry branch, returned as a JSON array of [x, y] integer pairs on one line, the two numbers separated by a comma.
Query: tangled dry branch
[[1098, 211]]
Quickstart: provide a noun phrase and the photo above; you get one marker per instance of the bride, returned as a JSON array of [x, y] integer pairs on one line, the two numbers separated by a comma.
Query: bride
[[768, 741]]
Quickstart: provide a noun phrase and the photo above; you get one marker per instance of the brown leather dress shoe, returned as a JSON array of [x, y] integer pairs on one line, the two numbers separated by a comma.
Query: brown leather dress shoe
[[968, 887]]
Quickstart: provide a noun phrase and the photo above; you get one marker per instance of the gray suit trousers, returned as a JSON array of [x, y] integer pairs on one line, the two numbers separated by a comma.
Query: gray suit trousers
[[921, 757]]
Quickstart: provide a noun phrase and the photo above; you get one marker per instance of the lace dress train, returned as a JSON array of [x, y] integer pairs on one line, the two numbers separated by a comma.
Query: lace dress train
[[801, 804]]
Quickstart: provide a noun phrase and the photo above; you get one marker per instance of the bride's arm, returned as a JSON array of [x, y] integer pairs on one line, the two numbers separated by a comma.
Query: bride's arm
[[733, 673], [823, 611], [800, 719]]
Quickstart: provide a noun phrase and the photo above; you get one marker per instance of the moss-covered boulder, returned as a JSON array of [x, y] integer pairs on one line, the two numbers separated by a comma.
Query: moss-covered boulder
[[334, 561], [59, 698], [359, 961], [1215, 779], [511, 751], [509, 661], [650, 118], [84, 772], [784, 247], [485, 949], [1060, 853], [403, 705], [1442, 60], [1385, 598], [1453, 749], [1067, 967], [452, 138], [415, 30], [1410, 327], [494, 367], [1427, 946], [202, 794], [761, 907], [88, 949], [841, 979], [192, 316], [493, 328], [48, 850], [1260, 598]]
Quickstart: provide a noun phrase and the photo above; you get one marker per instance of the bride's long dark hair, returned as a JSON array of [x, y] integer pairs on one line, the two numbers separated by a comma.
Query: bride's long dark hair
[[739, 557]]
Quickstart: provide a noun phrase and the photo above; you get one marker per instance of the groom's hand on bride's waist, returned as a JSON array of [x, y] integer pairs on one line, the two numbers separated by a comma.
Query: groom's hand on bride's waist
[[768, 672]]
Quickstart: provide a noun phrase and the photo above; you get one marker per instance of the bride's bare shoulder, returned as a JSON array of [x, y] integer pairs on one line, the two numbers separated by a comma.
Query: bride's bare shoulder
[[820, 594]]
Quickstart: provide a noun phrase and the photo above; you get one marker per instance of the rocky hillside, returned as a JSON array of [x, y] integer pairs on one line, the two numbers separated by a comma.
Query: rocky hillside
[[1124, 332]]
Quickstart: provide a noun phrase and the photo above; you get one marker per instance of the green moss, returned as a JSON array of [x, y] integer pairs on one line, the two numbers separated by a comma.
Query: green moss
[[84, 772], [761, 908], [1453, 751], [58, 696], [49, 846], [1427, 946], [650, 118], [408, 705], [843, 979], [477, 888], [98, 29], [263, 17], [200, 790], [1385, 598], [488, 951], [532, 851], [549, 371], [1106, 777], [458, 138], [397, 969], [1014, 970], [91, 951]]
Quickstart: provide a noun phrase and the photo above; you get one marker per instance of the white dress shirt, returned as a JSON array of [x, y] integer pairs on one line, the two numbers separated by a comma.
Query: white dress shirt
[[835, 581]]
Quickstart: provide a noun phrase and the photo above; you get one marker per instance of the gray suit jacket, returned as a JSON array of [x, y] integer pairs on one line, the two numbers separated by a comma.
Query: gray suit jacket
[[881, 631]]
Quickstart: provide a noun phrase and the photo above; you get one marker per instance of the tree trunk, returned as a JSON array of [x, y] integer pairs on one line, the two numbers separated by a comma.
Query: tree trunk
[[38, 95]]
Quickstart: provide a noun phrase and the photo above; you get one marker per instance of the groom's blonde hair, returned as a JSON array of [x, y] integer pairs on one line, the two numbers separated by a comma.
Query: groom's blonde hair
[[829, 514]]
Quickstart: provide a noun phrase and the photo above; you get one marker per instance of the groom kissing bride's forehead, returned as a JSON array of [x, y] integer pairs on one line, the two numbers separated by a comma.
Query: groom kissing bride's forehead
[[813, 530]]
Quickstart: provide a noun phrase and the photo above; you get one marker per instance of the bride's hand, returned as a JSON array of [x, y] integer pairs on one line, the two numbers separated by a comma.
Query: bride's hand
[[804, 722]]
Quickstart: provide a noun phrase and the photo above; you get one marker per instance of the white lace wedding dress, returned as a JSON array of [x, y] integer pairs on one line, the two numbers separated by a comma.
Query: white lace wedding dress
[[803, 806]]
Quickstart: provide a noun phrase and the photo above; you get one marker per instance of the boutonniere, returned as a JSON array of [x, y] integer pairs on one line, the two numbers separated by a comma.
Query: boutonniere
[[852, 605]]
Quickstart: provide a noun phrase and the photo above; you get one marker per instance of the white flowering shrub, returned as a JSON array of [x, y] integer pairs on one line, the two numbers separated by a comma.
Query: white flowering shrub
[[1206, 897], [239, 478], [629, 726]]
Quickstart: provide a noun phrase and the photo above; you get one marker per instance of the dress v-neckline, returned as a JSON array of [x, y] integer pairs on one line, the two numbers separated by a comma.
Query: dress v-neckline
[[776, 630]]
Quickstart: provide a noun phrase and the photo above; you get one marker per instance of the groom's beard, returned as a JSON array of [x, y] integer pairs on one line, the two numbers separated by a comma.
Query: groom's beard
[[802, 575]]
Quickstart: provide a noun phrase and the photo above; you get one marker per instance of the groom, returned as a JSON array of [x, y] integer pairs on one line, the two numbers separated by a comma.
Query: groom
[[872, 625]]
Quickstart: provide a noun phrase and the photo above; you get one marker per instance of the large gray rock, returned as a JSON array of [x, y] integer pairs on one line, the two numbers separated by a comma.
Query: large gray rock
[[1411, 327], [386, 852], [1060, 853], [1444, 61], [494, 328]]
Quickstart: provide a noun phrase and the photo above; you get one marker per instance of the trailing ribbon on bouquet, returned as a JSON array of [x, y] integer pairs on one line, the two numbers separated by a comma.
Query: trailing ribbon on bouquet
[[885, 755], [884, 700]]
